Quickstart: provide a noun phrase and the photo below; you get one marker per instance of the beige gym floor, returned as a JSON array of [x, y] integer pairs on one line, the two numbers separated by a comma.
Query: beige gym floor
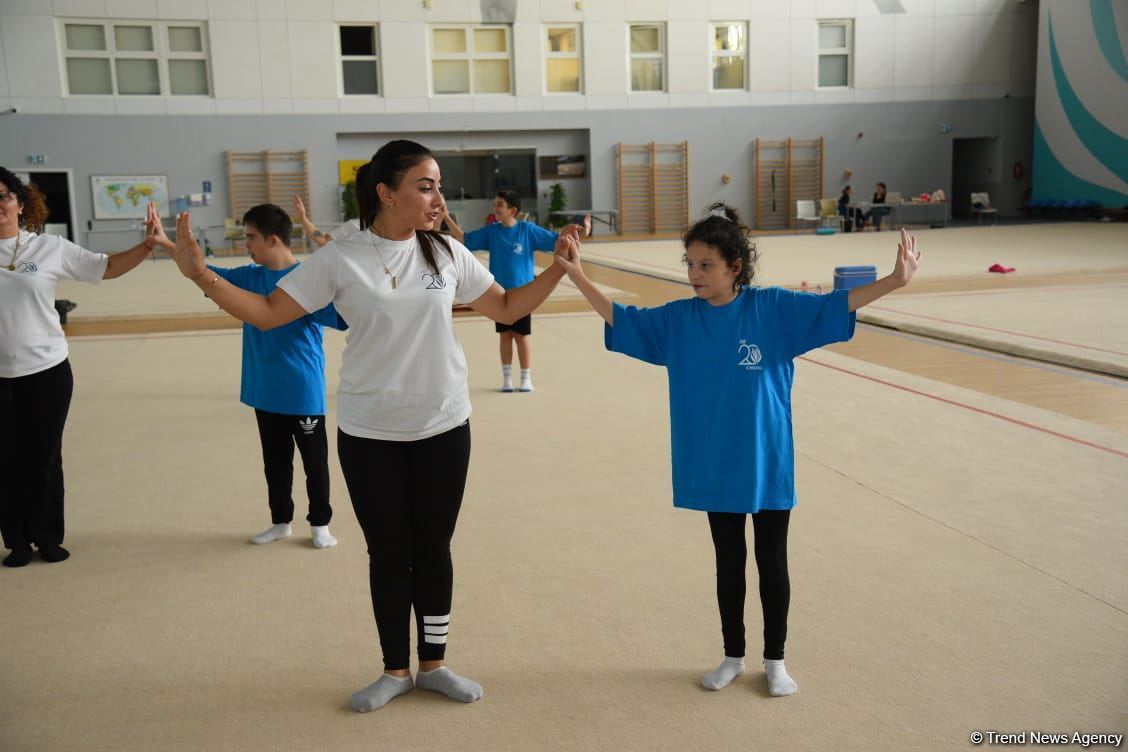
[[957, 554]]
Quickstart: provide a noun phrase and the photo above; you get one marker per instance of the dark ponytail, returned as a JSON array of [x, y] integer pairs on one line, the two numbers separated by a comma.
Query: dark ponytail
[[388, 166], [723, 230]]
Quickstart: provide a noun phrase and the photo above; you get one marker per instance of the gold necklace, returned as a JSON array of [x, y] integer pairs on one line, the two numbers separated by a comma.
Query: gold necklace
[[395, 277], [15, 250]]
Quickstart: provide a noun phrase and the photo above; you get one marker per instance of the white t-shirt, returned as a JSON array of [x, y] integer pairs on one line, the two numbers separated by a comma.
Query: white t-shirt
[[403, 375], [31, 338], [347, 230]]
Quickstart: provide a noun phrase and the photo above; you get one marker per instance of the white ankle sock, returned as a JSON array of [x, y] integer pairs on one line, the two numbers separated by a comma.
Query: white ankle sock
[[779, 683], [723, 675], [322, 538], [526, 379], [507, 378], [273, 533]]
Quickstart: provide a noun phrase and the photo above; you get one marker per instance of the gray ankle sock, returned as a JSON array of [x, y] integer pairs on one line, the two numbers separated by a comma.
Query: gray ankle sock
[[380, 692], [450, 684], [722, 675]]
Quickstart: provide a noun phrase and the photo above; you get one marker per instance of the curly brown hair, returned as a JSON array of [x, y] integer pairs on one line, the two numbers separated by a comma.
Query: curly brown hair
[[723, 230], [34, 207]]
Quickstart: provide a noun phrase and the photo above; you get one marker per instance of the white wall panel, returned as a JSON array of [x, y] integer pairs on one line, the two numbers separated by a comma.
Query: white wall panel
[[31, 62]]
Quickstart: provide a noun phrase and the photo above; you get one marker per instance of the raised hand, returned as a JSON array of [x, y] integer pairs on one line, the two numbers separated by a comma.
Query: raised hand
[[572, 231], [299, 208], [186, 251], [154, 230], [567, 252], [908, 258]]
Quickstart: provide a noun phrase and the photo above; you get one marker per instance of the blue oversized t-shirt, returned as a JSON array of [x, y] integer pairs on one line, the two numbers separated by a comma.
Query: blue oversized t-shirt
[[511, 250], [283, 368], [730, 370]]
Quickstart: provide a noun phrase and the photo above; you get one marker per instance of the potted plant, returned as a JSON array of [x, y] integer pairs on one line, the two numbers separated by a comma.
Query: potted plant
[[349, 208], [557, 202]]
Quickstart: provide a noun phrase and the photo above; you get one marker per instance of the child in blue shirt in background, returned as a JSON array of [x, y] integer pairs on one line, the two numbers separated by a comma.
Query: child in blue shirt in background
[[729, 354], [284, 380], [511, 244]]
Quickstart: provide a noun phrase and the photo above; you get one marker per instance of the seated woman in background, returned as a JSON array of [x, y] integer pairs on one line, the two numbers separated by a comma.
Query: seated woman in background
[[876, 212]]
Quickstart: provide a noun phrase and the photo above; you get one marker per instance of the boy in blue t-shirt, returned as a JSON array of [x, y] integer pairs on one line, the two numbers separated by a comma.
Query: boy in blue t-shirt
[[729, 354], [511, 244], [284, 380]]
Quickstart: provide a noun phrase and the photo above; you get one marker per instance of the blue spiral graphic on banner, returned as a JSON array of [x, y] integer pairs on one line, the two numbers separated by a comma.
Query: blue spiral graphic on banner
[[1109, 148], [1104, 25]]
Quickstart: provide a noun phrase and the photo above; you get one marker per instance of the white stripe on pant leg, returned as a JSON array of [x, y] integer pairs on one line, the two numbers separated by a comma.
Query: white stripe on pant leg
[[433, 629], [435, 639], [436, 619]]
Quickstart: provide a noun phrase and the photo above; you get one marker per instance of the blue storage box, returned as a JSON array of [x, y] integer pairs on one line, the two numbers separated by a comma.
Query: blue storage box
[[849, 277]]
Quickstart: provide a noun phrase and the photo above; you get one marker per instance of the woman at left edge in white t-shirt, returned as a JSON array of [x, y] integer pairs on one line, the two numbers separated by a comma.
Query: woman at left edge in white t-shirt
[[403, 402], [35, 375]]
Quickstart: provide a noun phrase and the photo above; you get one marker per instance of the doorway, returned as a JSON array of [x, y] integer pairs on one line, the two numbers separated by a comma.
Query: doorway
[[57, 187], [975, 169]]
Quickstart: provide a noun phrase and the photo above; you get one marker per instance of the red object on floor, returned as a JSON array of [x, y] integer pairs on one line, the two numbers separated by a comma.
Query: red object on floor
[[1000, 268]]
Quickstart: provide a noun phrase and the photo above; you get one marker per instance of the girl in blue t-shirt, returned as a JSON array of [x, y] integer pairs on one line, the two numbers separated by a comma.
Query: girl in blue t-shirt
[[734, 344]]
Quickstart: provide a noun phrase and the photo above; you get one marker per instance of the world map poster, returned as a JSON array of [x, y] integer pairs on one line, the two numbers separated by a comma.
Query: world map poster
[[127, 196]]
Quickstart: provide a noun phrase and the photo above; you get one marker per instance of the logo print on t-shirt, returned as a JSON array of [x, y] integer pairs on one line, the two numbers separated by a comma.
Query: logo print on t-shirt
[[436, 281], [26, 267], [518, 248], [308, 425], [750, 355]]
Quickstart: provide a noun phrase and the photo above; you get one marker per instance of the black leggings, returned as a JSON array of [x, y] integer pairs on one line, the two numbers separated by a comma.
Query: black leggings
[[33, 412], [770, 528], [406, 495], [278, 434]]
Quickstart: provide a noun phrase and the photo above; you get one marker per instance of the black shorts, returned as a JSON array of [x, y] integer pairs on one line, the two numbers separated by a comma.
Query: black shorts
[[524, 326]]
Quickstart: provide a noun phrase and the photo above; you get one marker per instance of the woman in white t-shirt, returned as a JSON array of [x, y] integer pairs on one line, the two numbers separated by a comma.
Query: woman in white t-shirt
[[35, 376], [403, 402]]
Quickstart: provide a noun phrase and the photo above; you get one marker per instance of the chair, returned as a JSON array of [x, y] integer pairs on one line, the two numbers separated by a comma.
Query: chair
[[980, 205], [805, 212], [828, 213]]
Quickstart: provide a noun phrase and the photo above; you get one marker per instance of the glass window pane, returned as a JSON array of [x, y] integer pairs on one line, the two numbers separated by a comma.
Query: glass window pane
[[646, 39], [646, 75], [358, 40], [188, 76], [360, 77], [89, 75], [832, 70], [185, 39], [133, 38], [449, 41], [729, 37], [137, 76], [86, 37], [489, 40], [832, 37], [728, 72], [564, 74], [561, 40], [451, 76], [491, 76]]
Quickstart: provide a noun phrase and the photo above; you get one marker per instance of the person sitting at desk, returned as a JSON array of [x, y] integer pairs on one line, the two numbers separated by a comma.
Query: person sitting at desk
[[876, 212], [851, 215]]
